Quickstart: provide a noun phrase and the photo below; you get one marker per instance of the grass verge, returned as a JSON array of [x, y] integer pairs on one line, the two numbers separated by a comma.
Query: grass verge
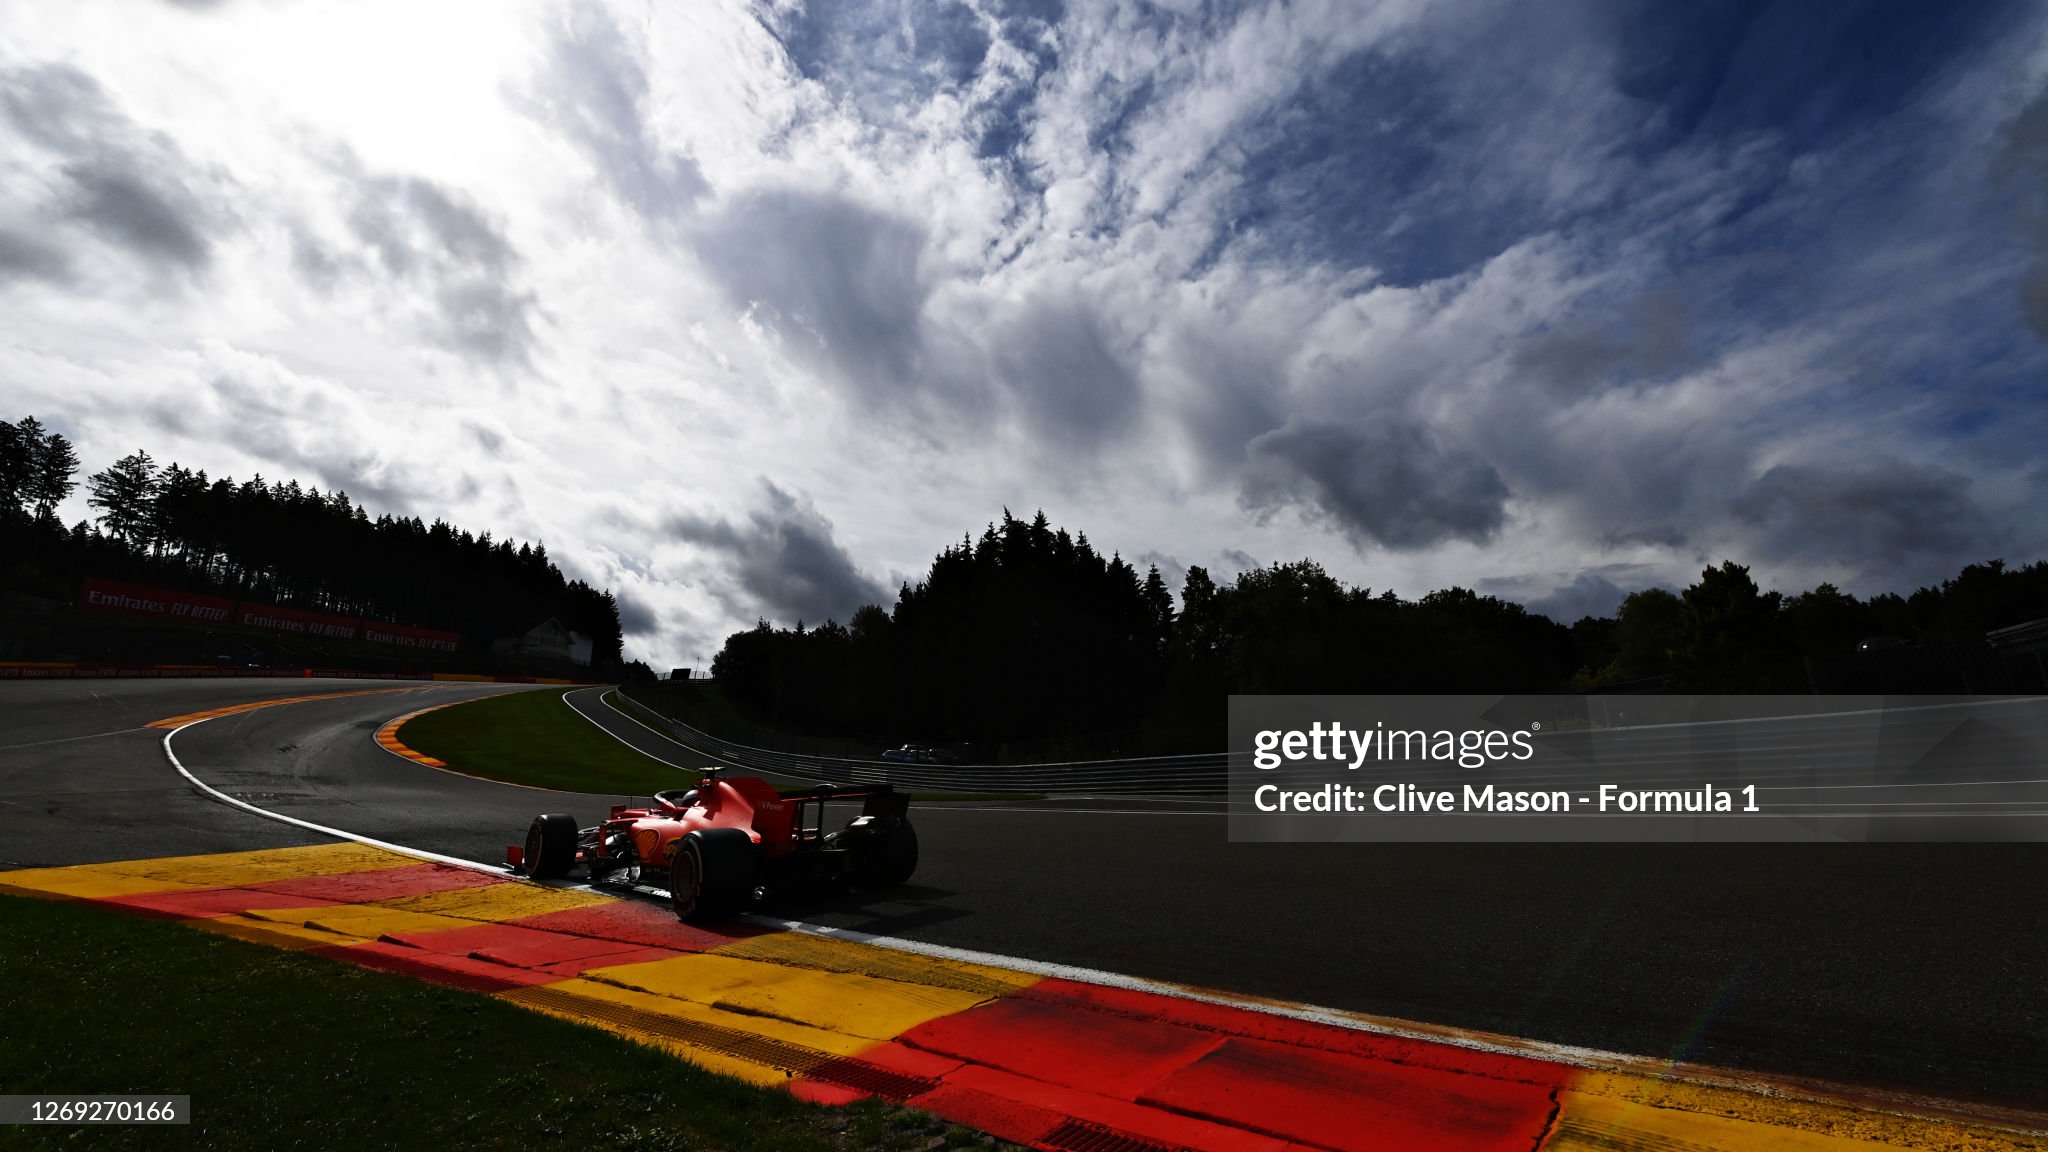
[[534, 738], [288, 1050], [616, 700]]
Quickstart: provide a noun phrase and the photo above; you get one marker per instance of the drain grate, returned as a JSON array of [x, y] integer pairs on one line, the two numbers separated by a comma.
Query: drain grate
[[795, 1059], [1081, 1136], [865, 1077], [1570, 1133]]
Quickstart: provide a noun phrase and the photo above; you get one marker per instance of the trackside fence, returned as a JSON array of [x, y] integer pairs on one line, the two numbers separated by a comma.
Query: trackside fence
[[1198, 775]]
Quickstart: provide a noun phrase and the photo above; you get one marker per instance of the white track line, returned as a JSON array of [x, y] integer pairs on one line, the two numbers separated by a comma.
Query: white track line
[[651, 756], [621, 739], [69, 739], [616, 710], [323, 829]]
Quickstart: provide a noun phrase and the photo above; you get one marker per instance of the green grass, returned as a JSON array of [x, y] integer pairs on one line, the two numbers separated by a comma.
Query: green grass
[[534, 738], [288, 1050], [617, 700]]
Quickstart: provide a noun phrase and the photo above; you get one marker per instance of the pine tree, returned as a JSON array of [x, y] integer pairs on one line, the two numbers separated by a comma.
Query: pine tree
[[127, 494], [15, 469], [55, 463], [1159, 605]]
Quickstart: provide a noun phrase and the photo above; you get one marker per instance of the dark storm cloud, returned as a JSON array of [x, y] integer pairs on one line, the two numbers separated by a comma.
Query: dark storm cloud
[[321, 433], [782, 561], [1056, 360], [311, 259], [1658, 535], [636, 618], [1386, 481], [1228, 395], [1650, 338], [122, 208], [1589, 594], [413, 222], [1875, 513], [839, 280], [61, 108], [24, 257], [2022, 171], [597, 96], [129, 188], [436, 240], [369, 479]]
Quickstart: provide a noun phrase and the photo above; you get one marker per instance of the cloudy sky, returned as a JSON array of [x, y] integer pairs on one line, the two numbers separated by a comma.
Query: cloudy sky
[[748, 309]]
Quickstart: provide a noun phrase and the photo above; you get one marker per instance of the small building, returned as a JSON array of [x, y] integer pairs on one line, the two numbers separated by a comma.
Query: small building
[[547, 641], [2024, 648]]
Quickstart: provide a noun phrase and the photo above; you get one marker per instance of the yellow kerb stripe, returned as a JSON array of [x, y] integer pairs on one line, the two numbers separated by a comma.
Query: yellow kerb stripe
[[232, 709], [217, 870], [492, 903], [387, 737], [1623, 1111]]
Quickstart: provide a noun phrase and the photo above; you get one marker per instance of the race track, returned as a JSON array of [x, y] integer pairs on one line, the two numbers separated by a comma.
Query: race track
[[1914, 967]]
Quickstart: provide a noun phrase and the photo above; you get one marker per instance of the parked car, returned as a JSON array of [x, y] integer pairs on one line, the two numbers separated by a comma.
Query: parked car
[[919, 754]]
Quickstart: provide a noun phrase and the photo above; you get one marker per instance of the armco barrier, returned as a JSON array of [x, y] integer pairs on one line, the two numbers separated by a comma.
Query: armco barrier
[[1198, 775]]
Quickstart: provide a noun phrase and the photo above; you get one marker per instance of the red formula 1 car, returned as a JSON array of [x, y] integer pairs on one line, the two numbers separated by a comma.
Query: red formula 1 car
[[729, 841]]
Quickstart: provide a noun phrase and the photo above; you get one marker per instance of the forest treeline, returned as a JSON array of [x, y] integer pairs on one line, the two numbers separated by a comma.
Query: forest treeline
[[1029, 633], [275, 541]]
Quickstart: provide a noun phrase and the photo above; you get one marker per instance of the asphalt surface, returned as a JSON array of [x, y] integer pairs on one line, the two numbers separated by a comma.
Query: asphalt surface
[[1915, 967]]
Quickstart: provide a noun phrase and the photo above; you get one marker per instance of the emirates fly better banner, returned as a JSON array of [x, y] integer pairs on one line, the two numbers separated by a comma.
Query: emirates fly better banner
[[403, 636], [295, 621], [140, 601], [113, 598]]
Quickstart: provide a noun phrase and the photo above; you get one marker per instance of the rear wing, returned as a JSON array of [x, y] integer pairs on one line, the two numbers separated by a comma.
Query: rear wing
[[876, 799]]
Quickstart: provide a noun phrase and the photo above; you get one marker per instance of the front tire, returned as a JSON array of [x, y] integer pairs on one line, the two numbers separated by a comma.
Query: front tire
[[711, 875], [550, 846]]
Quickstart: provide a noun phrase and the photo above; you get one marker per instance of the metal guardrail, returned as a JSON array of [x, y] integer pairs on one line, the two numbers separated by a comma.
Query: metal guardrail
[[1204, 774]]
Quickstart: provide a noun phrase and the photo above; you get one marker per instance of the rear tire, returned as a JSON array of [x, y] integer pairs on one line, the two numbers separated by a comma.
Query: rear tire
[[712, 874], [887, 858], [550, 846]]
